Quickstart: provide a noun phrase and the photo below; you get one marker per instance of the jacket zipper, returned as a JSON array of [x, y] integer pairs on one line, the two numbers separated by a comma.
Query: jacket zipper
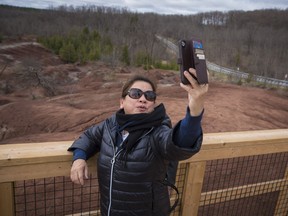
[[115, 154], [112, 169], [111, 181]]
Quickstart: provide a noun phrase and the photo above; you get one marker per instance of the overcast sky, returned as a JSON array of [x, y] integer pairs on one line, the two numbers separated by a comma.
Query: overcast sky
[[160, 6]]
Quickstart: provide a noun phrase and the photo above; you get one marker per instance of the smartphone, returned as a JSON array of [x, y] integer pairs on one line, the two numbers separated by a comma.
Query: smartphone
[[191, 55]]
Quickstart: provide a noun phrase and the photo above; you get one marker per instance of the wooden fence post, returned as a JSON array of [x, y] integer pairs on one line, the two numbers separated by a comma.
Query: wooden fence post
[[6, 199], [193, 186]]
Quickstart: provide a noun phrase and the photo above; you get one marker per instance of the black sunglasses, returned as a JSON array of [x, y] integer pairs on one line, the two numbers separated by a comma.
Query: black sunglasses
[[136, 93]]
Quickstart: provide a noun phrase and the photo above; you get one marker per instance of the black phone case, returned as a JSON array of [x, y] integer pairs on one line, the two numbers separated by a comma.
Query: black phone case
[[191, 55]]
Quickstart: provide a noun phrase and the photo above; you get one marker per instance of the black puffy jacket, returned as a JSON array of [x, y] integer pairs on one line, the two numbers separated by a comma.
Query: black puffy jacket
[[134, 188]]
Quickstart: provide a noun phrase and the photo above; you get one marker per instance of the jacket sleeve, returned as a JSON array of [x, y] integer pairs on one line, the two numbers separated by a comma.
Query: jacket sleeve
[[89, 141], [188, 130], [168, 149]]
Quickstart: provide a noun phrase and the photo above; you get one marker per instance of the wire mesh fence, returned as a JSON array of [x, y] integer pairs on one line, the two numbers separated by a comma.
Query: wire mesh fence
[[245, 186], [56, 196], [253, 185]]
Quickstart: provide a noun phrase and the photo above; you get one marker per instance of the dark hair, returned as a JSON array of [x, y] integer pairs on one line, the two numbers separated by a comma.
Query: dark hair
[[134, 79]]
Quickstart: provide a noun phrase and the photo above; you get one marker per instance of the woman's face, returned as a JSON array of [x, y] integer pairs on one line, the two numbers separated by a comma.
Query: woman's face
[[141, 105]]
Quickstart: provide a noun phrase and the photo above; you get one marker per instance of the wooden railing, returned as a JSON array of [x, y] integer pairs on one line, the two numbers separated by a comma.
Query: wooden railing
[[51, 159]]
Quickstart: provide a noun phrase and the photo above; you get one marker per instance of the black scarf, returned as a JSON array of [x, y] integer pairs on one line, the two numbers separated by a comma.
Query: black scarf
[[138, 124]]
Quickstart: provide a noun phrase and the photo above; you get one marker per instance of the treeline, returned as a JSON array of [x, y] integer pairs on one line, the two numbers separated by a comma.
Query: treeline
[[255, 41], [81, 46]]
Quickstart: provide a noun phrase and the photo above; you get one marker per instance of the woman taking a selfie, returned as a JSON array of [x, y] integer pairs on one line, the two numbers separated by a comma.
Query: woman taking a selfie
[[135, 146]]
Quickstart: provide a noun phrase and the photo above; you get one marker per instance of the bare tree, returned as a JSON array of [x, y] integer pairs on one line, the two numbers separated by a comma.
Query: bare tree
[[245, 35], [30, 73]]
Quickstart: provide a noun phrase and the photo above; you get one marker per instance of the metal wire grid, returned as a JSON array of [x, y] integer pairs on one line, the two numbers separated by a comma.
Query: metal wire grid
[[180, 179], [56, 197], [245, 186]]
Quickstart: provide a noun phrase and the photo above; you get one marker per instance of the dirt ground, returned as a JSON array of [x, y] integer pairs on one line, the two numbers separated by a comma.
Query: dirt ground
[[71, 97]]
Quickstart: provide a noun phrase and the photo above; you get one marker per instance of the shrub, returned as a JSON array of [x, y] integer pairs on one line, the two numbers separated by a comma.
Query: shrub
[[68, 53]]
